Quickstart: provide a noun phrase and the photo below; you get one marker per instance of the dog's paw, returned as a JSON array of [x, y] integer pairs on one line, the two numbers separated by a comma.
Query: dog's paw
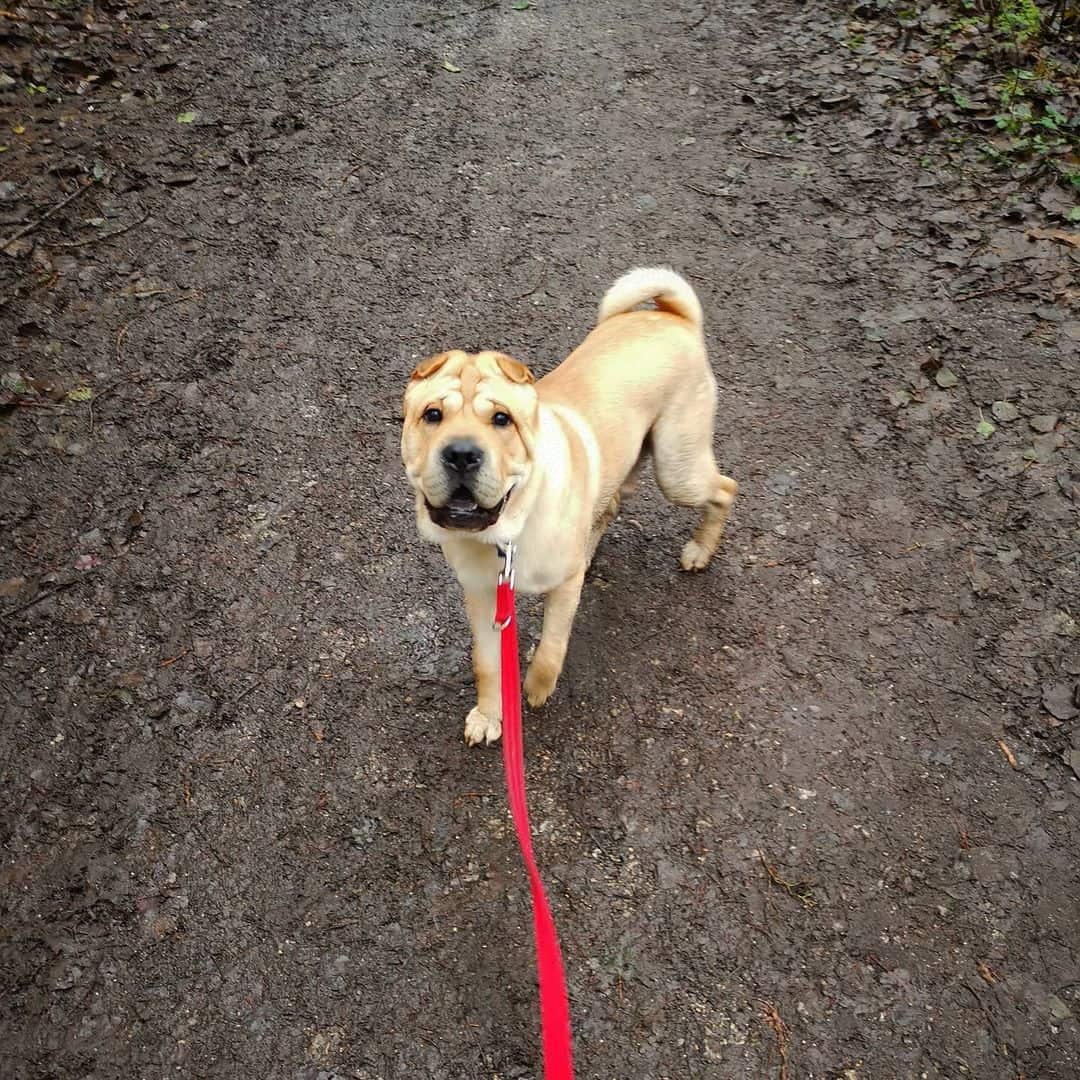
[[695, 556], [481, 729], [540, 682]]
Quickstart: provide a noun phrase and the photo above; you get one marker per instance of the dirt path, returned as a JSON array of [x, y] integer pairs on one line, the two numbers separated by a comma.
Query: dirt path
[[814, 806]]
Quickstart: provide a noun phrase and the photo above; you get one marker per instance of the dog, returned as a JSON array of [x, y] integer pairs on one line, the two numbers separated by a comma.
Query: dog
[[496, 457]]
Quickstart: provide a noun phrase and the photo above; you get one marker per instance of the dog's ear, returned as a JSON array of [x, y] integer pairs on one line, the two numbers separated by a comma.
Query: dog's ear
[[513, 369], [430, 366]]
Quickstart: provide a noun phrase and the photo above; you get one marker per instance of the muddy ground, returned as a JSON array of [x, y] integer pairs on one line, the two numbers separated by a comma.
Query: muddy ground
[[813, 813]]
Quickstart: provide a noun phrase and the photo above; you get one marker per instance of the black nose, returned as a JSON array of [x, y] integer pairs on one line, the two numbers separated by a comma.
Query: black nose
[[463, 457]]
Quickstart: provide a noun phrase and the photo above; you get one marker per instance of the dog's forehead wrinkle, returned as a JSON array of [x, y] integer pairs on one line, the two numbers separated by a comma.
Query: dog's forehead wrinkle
[[435, 388]]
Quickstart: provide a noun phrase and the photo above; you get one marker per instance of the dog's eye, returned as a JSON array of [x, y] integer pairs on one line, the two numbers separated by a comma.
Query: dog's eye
[[432, 416], [501, 419]]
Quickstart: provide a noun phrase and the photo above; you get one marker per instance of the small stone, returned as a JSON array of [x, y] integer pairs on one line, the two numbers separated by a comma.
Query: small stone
[[1059, 700], [192, 701], [782, 483], [1058, 1009], [1044, 422], [92, 539], [8, 190]]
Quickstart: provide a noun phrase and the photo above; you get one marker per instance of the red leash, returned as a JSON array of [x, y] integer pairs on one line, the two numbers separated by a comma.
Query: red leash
[[554, 1006]]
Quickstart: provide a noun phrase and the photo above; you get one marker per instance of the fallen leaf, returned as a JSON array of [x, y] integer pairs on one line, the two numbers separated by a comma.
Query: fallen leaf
[[1005, 411], [986, 972], [80, 393], [19, 129], [1043, 447], [985, 428], [11, 586], [1060, 235], [945, 378], [187, 117], [447, 66]]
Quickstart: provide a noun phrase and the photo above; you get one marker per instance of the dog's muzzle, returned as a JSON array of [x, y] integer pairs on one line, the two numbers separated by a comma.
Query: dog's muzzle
[[462, 511]]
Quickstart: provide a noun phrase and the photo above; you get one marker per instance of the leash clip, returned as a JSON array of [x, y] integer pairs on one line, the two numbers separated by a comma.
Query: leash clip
[[507, 571], [506, 577]]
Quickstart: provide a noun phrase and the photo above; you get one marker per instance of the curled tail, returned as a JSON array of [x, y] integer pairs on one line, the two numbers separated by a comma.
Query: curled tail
[[667, 289]]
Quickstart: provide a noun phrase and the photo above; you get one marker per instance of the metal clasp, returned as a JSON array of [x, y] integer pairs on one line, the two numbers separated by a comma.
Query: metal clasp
[[507, 571], [506, 576]]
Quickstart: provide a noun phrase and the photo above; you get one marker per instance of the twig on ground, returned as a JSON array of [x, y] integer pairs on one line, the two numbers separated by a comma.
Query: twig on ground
[[5, 615], [800, 890], [698, 21], [763, 153], [990, 292], [1010, 757], [779, 1028], [48, 214], [703, 191], [104, 236], [539, 281]]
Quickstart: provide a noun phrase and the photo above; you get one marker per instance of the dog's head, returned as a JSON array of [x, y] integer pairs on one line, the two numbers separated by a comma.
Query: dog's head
[[469, 436]]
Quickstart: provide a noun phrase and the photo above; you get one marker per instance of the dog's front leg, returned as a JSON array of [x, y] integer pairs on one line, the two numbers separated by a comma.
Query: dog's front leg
[[484, 723], [560, 606]]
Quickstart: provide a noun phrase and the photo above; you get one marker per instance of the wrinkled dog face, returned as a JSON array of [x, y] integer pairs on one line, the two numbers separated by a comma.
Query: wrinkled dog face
[[468, 437]]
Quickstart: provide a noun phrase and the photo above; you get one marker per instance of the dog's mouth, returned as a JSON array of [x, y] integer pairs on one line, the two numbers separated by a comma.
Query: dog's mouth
[[462, 511]]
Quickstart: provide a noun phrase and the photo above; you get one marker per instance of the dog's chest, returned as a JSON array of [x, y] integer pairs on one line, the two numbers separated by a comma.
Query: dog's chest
[[539, 566], [534, 578]]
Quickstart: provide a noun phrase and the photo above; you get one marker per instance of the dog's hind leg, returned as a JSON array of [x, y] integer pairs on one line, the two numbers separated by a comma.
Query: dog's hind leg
[[560, 606], [687, 474], [698, 551]]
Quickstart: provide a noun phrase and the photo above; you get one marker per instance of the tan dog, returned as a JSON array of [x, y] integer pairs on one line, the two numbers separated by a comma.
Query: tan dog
[[495, 458]]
